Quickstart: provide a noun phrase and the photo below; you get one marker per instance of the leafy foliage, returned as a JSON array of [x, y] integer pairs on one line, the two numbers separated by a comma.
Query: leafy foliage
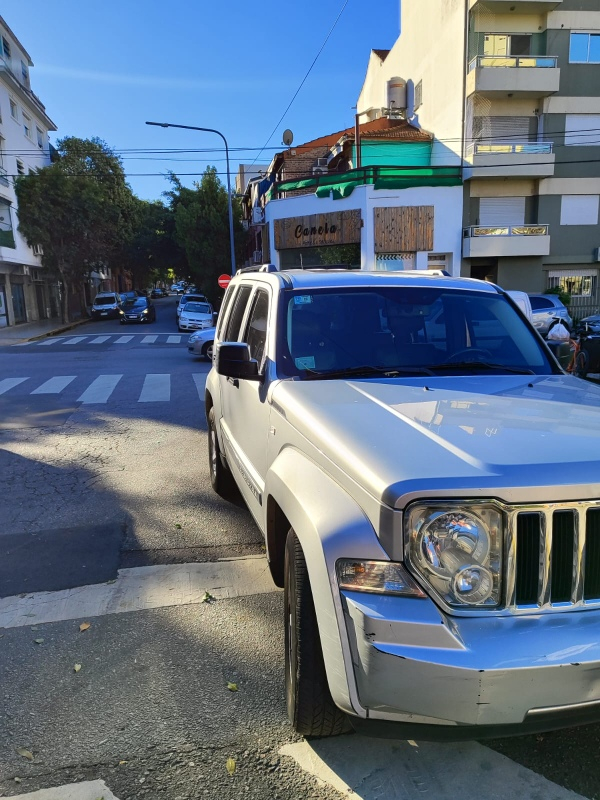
[[563, 295]]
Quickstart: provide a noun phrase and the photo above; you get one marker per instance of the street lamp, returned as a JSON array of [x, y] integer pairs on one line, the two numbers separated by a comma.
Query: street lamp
[[229, 207]]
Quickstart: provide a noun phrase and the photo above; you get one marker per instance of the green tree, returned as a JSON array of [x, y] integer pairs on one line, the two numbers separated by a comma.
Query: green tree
[[202, 228], [79, 209]]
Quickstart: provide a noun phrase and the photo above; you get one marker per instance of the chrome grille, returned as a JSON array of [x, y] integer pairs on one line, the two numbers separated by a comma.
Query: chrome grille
[[553, 557]]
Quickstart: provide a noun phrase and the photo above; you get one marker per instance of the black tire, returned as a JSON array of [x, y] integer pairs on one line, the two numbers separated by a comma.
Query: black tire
[[221, 478], [207, 351], [310, 707], [581, 364]]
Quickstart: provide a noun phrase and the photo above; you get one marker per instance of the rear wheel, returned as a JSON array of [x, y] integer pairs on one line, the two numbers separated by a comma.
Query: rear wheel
[[581, 364], [221, 478], [309, 703]]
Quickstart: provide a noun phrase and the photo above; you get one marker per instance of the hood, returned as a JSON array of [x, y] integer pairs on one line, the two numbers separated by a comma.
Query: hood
[[196, 315], [473, 435]]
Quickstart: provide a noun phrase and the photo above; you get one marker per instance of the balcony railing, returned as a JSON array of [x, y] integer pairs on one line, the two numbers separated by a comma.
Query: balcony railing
[[3, 176], [509, 148], [513, 62], [505, 230]]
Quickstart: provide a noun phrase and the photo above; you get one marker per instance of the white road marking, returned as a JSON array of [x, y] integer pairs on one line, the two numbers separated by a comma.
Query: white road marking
[[90, 790], [99, 340], [173, 339], [149, 339], [54, 385], [75, 340], [10, 383], [371, 769], [142, 588], [156, 388], [100, 389], [22, 344], [47, 342], [123, 339], [200, 381]]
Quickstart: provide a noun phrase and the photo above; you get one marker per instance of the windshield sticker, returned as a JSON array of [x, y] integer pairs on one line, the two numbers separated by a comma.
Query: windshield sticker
[[305, 362], [303, 299]]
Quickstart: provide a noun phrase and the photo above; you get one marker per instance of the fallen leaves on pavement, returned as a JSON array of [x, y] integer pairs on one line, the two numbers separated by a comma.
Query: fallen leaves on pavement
[[233, 687], [230, 765], [84, 626], [77, 667], [23, 751]]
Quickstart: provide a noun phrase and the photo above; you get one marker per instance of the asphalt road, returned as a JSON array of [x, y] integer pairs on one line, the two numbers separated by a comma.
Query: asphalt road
[[103, 467]]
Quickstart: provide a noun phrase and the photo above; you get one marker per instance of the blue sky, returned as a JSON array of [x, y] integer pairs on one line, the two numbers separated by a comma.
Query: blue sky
[[103, 69]]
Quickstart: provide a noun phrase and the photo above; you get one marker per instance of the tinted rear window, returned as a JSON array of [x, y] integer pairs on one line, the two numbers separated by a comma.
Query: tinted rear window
[[105, 301]]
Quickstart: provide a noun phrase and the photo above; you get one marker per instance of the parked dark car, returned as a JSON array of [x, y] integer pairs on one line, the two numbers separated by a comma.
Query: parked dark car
[[139, 310], [159, 293]]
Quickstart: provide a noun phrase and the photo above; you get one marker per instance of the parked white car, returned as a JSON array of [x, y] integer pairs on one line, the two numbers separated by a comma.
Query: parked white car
[[189, 297], [201, 343], [196, 316], [426, 479]]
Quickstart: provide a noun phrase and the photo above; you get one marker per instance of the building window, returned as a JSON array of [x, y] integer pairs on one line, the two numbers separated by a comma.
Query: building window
[[582, 130], [507, 45], [14, 109], [579, 209], [20, 167], [5, 48], [40, 137], [27, 126], [418, 95], [25, 73], [584, 48], [578, 283]]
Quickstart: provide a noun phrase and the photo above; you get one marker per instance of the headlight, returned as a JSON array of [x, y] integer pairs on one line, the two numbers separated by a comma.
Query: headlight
[[458, 551], [121, 311], [145, 311]]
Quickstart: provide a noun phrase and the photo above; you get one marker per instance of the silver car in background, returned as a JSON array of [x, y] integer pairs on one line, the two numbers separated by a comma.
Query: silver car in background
[[546, 308], [200, 343]]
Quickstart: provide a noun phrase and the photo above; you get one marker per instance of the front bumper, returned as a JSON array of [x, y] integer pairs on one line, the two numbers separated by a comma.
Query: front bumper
[[414, 664], [109, 314]]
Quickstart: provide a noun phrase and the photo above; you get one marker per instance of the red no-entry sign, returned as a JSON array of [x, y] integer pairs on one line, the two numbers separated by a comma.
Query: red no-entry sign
[[224, 281]]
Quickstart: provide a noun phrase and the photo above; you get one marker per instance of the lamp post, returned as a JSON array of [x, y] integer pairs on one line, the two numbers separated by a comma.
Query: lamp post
[[229, 206]]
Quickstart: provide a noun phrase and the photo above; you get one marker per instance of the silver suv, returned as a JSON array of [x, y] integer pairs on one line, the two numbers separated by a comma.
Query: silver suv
[[107, 305], [546, 308], [426, 479]]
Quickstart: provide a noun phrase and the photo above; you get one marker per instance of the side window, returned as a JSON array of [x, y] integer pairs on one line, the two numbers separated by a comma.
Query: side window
[[223, 310], [234, 323], [537, 303], [256, 331]]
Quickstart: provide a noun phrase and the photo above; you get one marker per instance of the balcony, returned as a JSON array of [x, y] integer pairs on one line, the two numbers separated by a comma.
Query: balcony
[[525, 76], [509, 159], [506, 241], [517, 6]]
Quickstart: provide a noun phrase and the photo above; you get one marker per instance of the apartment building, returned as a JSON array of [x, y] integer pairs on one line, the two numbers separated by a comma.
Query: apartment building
[[26, 292], [511, 91]]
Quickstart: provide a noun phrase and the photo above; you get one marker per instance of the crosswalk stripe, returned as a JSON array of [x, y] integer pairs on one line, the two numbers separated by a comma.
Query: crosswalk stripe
[[54, 385], [200, 381], [10, 383], [173, 339], [52, 340], [149, 339], [75, 340], [99, 340], [156, 388], [100, 389], [123, 339]]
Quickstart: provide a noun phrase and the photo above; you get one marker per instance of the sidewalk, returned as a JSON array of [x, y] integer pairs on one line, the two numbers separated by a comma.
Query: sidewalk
[[29, 331]]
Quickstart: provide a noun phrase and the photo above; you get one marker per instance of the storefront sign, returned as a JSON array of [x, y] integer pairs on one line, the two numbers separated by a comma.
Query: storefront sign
[[316, 230]]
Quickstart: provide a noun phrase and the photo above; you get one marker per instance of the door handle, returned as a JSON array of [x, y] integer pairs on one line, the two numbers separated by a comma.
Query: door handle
[[234, 381]]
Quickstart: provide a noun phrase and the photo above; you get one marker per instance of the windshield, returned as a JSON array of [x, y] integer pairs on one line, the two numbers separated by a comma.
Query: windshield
[[140, 303], [105, 301], [399, 330], [196, 308], [186, 298]]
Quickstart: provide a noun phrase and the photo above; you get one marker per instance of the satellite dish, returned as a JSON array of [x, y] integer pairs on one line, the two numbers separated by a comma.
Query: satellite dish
[[288, 137]]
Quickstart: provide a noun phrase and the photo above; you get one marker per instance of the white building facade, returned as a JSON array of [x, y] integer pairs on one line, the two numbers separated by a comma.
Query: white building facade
[[26, 293]]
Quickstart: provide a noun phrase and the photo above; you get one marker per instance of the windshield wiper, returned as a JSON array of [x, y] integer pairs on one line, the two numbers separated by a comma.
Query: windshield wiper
[[480, 365], [366, 371]]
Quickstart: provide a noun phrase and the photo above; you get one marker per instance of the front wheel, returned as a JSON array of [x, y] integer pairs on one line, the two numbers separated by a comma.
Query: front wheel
[[310, 706], [207, 351], [581, 364], [221, 478]]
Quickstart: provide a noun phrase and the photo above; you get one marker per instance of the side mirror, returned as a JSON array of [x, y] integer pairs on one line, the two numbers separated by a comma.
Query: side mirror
[[232, 359]]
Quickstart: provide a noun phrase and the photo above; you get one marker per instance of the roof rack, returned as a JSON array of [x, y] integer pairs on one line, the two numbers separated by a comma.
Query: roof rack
[[259, 268]]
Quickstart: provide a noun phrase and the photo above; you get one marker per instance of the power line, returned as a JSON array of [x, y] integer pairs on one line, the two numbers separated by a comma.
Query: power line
[[304, 79]]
